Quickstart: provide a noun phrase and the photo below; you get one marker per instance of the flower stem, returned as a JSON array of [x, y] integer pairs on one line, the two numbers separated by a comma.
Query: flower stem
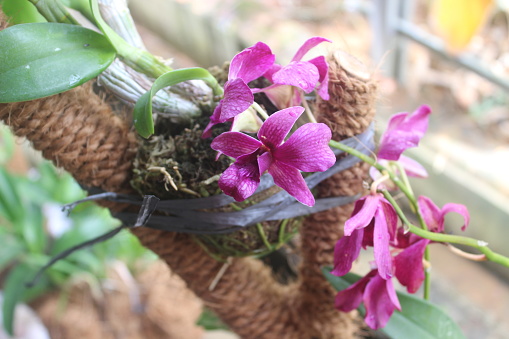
[[448, 238], [422, 230]]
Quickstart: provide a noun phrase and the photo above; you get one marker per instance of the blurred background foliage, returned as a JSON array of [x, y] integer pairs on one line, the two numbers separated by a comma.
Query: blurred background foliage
[[33, 229]]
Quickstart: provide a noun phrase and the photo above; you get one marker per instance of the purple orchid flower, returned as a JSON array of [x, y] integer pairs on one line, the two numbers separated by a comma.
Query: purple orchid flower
[[404, 131], [378, 295], [409, 267], [306, 150], [246, 66], [434, 217], [373, 222], [305, 75]]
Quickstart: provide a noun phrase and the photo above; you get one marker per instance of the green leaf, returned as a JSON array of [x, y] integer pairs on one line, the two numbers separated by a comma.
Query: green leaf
[[14, 289], [42, 59], [418, 319], [6, 144], [21, 12], [10, 250], [143, 121], [10, 202]]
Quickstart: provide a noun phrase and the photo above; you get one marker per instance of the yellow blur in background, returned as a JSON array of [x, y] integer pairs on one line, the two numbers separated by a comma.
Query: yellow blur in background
[[457, 21]]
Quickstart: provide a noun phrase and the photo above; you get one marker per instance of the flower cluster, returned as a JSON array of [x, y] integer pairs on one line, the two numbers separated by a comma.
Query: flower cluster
[[374, 223], [305, 150]]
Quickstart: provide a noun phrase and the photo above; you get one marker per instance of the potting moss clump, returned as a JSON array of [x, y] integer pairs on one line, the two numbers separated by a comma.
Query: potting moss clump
[[177, 163]]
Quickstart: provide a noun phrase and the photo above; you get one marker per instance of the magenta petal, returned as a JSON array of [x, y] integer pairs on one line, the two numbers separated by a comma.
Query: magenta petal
[[237, 98], [458, 208], [214, 120], [404, 131], [301, 74], [412, 167], [290, 179], [347, 249], [251, 63], [235, 144], [282, 96], [323, 71], [381, 249], [349, 299], [307, 45], [431, 214], [271, 71], [264, 162], [240, 180], [278, 125], [391, 217], [380, 301], [409, 268], [367, 240], [364, 216], [308, 149]]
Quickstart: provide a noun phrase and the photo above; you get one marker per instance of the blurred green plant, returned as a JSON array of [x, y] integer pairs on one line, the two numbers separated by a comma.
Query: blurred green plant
[[33, 229]]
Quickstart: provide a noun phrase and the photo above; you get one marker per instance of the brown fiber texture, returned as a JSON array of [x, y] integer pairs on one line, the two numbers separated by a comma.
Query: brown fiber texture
[[79, 132]]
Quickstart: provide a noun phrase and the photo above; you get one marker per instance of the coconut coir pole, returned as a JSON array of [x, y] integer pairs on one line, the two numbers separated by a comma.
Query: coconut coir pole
[[79, 132]]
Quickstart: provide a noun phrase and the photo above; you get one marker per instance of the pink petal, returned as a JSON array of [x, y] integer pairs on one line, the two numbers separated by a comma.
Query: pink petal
[[347, 249], [367, 240], [264, 162], [409, 268], [214, 120], [290, 179], [308, 44], [404, 131], [380, 300], [282, 96], [458, 208], [237, 98], [431, 214], [278, 125], [391, 217], [240, 180], [323, 71], [271, 71], [349, 299], [308, 149], [251, 63], [381, 249], [364, 216], [235, 144], [412, 167], [301, 74]]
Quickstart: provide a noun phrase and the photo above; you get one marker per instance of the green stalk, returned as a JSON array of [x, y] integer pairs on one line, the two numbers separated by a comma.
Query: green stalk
[[448, 238], [54, 11]]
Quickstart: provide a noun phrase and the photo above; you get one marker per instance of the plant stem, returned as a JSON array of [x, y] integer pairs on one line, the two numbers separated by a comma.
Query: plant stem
[[448, 238], [421, 231], [54, 11]]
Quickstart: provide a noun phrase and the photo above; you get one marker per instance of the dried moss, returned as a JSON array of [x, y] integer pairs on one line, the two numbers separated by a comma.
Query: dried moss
[[176, 163]]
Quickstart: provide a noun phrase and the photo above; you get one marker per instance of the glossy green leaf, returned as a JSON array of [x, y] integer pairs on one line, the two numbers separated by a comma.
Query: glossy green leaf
[[14, 289], [42, 59], [418, 319], [21, 12], [143, 121]]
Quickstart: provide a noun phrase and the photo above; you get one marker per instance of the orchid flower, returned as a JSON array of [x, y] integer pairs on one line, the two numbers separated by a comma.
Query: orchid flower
[[372, 210], [378, 295], [246, 66], [404, 131], [306, 150], [434, 217], [304, 75]]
